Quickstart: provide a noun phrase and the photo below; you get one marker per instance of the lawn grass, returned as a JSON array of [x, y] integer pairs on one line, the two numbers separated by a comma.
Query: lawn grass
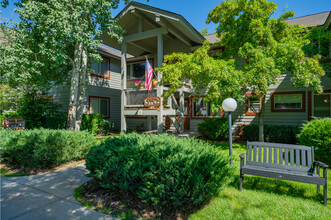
[[101, 139], [7, 172], [264, 198]]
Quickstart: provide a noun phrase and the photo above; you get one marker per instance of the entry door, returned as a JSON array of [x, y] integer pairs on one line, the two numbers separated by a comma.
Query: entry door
[[186, 113], [322, 105]]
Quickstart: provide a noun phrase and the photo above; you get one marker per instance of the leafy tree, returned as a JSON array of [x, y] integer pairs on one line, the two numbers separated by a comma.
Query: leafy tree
[[320, 38], [26, 62], [8, 97], [35, 109], [265, 48], [53, 35], [208, 75], [204, 31]]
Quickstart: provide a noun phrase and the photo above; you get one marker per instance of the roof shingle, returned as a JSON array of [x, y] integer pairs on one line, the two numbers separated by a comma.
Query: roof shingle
[[310, 20]]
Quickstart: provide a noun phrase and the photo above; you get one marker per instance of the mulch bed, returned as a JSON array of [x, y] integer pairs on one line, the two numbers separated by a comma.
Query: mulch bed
[[121, 204]]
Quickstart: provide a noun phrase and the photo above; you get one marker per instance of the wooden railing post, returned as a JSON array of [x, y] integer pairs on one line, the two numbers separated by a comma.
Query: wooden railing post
[[160, 87]]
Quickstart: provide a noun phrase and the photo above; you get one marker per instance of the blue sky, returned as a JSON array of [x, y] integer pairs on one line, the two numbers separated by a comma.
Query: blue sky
[[196, 11]]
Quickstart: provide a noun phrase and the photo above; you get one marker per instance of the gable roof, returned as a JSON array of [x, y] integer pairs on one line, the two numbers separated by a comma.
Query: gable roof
[[138, 19], [311, 20], [111, 52], [212, 38], [164, 13]]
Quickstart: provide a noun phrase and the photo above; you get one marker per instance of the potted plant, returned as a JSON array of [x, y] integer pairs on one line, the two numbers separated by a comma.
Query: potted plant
[[155, 82], [139, 84]]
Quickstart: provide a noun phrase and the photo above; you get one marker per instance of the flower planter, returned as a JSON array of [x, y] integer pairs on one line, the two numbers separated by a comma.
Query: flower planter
[[139, 84], [155, 83]]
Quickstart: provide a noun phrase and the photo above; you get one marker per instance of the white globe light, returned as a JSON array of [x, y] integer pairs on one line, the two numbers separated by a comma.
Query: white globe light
[[229, 105]]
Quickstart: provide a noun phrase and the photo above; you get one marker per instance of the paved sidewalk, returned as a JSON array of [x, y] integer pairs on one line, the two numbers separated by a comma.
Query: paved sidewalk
[[45, 196]]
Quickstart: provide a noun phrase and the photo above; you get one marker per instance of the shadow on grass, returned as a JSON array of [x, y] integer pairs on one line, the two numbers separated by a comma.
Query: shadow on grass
[[225, 145], [278, 187]]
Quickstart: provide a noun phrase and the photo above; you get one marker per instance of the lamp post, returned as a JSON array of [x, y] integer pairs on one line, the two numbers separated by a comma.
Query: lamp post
[[229, 105]]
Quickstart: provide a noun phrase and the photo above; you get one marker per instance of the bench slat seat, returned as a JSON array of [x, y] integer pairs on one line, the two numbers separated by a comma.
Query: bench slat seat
[[302, 177], [284, 162]]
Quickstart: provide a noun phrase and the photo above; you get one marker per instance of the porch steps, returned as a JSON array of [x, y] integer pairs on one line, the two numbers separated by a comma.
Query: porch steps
[[176, 122]]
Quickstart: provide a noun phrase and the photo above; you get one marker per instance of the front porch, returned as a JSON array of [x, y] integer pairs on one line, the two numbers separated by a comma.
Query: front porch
[[152, 33], [146, 104]]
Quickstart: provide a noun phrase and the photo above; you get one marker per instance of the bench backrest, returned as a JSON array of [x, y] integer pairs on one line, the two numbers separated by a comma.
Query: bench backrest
[[280, 156]]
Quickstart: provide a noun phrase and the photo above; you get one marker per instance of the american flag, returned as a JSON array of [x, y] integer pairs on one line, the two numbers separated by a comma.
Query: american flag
[[148, 75]]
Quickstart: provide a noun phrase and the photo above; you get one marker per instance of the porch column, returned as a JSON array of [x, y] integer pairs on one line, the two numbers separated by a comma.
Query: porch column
[[123, 83], [181, 107], [159, 77], [149, 123]]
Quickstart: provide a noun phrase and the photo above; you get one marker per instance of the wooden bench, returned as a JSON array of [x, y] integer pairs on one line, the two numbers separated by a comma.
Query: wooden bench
[[285, 162]]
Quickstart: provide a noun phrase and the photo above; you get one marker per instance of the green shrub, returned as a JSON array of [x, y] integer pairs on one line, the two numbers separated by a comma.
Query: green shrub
[[214, 128], [106, 126], [162, 171], [281, 134], [317, 133], [272, 133], [42, 147], [56, 121], [35, 109], [91, 123], [250, 132]]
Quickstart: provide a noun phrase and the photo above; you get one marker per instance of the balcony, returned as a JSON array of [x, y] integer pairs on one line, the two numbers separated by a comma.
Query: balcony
[[135, 103]]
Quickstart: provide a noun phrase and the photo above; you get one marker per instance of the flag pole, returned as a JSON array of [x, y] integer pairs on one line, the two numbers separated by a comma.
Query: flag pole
[[153, 70]]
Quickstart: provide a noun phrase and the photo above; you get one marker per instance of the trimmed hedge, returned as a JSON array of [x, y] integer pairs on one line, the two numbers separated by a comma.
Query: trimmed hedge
[[272, 133], [317, 133], [164, 171], [43, 148], [214, 128]]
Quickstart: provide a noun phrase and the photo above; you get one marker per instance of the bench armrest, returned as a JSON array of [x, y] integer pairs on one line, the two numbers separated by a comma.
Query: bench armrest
[[242, 155], [321, 164]]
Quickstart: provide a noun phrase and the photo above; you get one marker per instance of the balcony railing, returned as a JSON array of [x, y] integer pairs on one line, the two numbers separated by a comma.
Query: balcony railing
[[135, 97]]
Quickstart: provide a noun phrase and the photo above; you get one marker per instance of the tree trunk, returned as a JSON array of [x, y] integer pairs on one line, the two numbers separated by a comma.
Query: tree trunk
[[74, 86], [261, 124], [82, 91]]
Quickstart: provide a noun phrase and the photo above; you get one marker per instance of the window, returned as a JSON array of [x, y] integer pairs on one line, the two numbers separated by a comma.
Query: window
[[322, 105], [136, 70], [99, 105], [253, 104], [288, 102], [201, 109], [101, 69]]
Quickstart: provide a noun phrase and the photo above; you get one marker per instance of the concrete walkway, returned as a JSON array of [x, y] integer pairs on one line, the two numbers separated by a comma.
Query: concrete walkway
[[45, 196]]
